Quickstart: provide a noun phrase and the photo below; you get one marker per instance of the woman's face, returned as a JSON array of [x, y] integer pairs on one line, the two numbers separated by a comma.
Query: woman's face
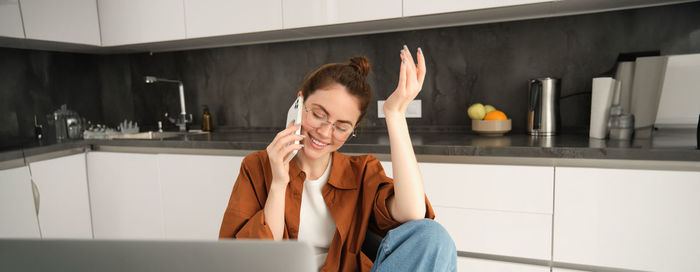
[[340, 107]]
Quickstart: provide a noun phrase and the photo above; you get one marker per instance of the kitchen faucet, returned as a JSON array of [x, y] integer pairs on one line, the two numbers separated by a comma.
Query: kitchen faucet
[[183, 119]]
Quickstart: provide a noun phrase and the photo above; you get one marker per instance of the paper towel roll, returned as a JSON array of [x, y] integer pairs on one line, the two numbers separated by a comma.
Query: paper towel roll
[[601, 99]]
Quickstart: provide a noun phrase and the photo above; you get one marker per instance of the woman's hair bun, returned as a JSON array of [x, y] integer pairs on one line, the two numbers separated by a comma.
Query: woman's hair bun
[[361, 65]]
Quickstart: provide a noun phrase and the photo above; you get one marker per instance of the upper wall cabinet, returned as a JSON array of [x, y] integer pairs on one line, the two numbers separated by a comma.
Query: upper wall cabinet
[[10, 19], [304, 13], [137, 21], [418, 7], [72, 21], [121, 26], [224, 17]]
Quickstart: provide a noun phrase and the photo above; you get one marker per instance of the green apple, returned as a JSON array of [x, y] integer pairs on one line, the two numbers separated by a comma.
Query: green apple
[[489, 108], [476, 111]]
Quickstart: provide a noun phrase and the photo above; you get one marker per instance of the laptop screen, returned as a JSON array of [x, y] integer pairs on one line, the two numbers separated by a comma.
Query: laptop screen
[[155, 255]]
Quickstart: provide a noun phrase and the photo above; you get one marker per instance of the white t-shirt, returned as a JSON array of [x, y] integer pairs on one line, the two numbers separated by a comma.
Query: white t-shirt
[[316, 225]]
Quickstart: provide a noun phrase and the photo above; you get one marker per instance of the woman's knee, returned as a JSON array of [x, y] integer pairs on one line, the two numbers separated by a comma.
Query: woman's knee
[[422, 244], [430, 233]]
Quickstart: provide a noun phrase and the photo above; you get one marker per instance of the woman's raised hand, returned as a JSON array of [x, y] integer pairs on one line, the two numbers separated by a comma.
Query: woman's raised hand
[[278, 150], [411, 76]]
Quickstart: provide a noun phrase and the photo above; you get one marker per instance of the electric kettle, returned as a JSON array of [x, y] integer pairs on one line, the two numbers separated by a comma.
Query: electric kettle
[[543, 108]]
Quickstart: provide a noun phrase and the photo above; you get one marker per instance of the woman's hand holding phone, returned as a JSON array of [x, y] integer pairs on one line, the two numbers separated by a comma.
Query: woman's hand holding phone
[[279, 149]]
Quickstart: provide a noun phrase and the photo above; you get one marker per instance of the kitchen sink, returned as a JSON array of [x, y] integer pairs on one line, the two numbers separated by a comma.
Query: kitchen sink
[[157, 134]]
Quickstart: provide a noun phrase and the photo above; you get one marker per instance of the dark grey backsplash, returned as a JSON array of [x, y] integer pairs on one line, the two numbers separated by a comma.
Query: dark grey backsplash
[[252, 86], [38, 82]]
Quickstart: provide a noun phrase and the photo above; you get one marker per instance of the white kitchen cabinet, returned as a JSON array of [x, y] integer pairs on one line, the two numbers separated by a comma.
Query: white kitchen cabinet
[[17, 213], [136, 21], [472, 264], [64, 205], [125, 196], [71, 21], [418, 7], [305, 13], [492, 209], [206, 18], [489, 187], [515, 234], [10, 19], [195, 191], [631, 219]]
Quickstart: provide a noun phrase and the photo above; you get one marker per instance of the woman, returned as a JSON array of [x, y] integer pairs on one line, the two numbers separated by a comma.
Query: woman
[[331, 200]]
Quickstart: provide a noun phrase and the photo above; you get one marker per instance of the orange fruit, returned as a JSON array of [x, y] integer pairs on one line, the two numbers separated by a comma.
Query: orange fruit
[[495, 115]]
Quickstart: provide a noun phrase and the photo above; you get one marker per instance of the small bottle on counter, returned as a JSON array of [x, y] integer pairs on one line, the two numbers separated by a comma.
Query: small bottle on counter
[[38, 130], [206, 119], [622, 127]]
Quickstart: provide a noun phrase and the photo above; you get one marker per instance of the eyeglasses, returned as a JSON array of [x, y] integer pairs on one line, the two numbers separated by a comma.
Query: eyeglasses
[[319, 118]]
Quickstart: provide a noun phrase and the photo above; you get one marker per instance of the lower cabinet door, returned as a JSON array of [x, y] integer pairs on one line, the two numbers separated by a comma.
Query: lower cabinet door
[[465, 264], [17, 213], [492, 209], [125, 196], [195, 191], [512, 234], [64, 210], [631, 219]]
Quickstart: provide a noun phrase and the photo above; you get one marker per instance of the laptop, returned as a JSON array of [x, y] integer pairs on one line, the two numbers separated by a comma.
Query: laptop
[[155, 255]]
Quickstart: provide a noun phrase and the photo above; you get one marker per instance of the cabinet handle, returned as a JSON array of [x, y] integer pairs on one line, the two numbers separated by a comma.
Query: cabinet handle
[[37, 197]]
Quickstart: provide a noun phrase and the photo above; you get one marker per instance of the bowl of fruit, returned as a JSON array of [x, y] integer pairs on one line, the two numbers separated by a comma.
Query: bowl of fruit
[[488, 121]]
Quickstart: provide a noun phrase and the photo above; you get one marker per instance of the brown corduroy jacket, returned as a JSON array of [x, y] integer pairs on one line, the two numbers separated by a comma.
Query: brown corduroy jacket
[[355, 194]]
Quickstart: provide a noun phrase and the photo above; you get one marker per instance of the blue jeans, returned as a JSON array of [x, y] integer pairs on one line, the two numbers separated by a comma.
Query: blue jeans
[[420, 245]]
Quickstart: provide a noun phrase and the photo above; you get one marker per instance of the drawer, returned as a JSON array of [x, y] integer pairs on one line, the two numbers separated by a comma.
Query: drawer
[[525, 235], [489, 187], [471, 264]]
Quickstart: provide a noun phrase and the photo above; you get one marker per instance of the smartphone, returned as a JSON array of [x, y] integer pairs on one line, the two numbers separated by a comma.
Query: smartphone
[[294, 114]]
